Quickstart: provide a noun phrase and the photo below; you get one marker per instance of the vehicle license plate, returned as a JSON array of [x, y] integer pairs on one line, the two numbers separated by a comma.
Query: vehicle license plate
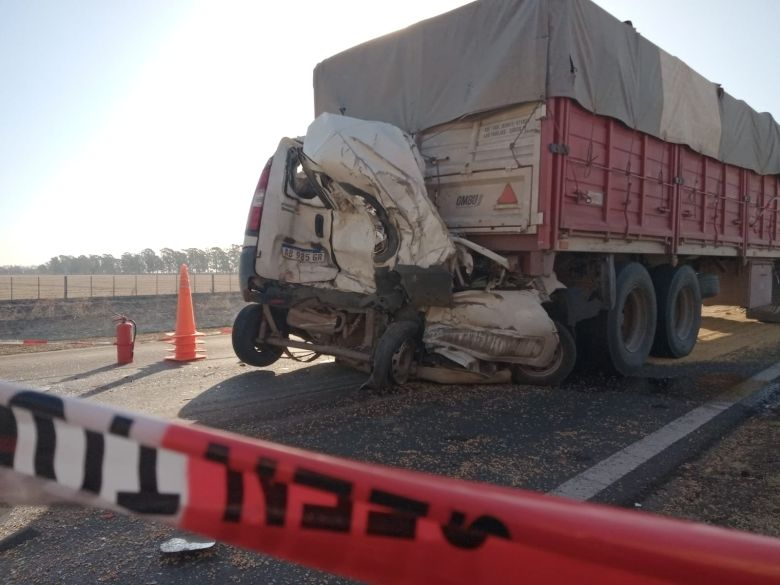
[[302, 255]]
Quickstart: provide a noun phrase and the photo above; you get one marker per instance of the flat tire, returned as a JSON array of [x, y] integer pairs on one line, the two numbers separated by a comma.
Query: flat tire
[[394, 355]]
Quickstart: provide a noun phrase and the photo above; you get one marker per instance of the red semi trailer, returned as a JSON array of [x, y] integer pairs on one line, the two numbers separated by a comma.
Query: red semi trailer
[[496, 190], [605, 198]]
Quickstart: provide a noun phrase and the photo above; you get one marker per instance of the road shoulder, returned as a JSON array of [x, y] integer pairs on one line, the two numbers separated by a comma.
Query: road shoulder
[[734, 484]]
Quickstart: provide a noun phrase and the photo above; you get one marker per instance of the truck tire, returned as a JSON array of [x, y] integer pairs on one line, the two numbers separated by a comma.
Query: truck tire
[[394, 355], [619, 340], [555, 373], [709, 285], [246, 328], [679, 310]]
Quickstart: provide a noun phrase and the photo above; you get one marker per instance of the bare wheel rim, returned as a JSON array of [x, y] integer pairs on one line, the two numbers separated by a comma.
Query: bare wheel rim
[[633, 323], [401, 365], [683, 313], [545, 370]]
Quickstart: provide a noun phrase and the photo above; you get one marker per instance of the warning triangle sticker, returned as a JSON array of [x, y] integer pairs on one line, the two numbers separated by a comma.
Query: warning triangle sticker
[[508, 196]]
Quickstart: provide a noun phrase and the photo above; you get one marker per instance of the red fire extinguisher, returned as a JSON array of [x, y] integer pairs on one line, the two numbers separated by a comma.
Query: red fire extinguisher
[[125, 339]]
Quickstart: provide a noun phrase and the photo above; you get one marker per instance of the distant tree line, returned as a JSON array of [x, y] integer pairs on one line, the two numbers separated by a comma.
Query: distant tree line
[[146, 261]]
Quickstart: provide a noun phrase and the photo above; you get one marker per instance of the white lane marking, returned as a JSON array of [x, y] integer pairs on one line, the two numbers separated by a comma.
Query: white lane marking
[[594, 480]]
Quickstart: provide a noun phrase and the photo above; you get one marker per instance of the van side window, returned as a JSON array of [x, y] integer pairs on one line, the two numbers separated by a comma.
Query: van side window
[[298, 184]]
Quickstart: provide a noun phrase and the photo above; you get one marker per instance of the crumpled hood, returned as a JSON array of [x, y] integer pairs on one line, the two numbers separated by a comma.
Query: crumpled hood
[[505, 326]]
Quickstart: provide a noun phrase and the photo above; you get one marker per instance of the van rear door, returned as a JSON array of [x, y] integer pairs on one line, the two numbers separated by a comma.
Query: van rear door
[[294, 243]]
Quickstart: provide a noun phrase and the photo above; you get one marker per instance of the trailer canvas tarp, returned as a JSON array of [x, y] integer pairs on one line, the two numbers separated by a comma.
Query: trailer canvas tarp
[[495, 53]]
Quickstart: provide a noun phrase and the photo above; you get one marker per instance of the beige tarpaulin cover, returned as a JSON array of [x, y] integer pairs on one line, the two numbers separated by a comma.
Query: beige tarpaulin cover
[[496, 53]]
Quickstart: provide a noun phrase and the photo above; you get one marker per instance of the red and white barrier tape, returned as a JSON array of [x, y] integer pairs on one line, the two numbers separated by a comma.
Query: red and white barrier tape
[[368, 522]]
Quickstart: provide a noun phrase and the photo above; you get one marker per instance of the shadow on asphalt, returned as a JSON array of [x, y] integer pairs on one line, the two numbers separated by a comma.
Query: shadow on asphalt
[[694, 382], [259, 394], [142, 373], [82, 375]]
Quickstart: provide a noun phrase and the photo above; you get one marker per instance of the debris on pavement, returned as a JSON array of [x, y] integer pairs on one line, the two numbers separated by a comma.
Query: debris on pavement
[[185, 544]]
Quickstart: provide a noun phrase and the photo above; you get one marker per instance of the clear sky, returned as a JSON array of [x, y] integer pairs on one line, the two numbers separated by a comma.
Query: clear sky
[[128, 124]]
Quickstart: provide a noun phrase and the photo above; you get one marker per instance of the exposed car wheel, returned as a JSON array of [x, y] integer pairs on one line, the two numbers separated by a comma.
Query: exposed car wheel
[[709, 285], [246, 329], [394, 354], [619, 340], [557, 371], [679, 310]]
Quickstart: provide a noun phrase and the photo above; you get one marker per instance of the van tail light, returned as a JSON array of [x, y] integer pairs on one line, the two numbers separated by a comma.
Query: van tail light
[[256, 211]]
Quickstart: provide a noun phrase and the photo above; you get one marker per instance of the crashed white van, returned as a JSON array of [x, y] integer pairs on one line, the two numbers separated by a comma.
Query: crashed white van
[[346, 255]]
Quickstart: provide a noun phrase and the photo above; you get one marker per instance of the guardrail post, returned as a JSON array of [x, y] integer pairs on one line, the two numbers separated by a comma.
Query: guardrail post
[[11, 280], [65, 287], [39, 288], [212, 283], [113, 285], [90, 286], [136, 285]]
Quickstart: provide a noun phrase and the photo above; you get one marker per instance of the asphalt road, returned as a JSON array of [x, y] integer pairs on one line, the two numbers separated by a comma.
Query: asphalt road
[[527, 437]]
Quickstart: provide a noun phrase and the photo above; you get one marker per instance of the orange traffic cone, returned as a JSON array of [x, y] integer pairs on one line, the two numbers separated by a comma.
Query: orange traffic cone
[[185, 340]]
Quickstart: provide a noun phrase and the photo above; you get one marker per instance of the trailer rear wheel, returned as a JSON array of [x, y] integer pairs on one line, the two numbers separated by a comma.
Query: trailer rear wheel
[[394, 355], [246, 329], [679, 310], [620, 339], [560, 367], [630, 325]]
